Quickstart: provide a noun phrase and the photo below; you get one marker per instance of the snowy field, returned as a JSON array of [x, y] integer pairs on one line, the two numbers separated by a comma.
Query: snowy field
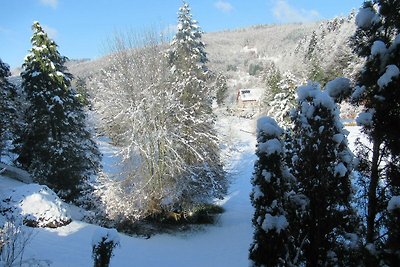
[[223, 244]]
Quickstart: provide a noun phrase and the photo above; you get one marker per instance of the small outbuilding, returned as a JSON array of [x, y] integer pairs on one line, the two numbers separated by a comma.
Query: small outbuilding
[[249, 97]]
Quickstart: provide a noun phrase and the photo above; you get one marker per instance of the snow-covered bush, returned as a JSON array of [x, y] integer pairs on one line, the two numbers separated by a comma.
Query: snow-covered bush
[[103, 243], [36, 206]]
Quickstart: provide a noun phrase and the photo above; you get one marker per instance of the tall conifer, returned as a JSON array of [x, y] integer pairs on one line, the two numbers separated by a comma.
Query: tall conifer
[[54, 145]]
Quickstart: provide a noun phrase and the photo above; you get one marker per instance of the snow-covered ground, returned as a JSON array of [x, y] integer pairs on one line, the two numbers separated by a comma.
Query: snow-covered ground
[[223, 244]]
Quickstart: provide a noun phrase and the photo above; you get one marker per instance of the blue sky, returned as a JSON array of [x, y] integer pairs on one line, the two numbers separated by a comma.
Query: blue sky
[[82, 27]]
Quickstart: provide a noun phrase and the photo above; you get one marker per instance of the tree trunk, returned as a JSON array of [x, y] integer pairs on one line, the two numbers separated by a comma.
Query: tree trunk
[[372, 198]]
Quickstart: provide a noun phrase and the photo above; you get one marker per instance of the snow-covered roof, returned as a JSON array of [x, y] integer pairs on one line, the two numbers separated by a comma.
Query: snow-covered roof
[[250, 94]]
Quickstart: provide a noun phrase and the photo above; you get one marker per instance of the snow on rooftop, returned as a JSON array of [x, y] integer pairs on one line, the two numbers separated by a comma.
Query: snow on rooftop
[[250, 94]]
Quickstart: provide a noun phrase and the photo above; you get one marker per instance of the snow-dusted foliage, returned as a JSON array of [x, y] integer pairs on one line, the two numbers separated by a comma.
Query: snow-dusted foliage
[[367, 17], [157, 107], [187, 48], [197, 144], [53, 143], [271, 185], [138, 108], [7, 107], [377, 90], [283, 101], [327, 53], [36, 206], [322, 164], [338, 88]]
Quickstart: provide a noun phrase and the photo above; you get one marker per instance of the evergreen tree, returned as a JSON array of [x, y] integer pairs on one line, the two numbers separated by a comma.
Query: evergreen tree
[[284, 101], [7, 108], [271, 185], [377, 40], [54, 145], [322, 164], [197, 138], [222, 88]]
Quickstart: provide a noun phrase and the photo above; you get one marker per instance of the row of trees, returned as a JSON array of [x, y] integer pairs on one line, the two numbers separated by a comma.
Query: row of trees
[[301, 186], [302, 190]]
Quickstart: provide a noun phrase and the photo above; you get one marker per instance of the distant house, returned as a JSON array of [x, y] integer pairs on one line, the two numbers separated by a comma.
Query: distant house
[[249, 98]]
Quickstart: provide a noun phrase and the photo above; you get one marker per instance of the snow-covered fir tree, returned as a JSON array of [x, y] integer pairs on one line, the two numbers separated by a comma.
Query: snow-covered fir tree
[[197, 138], [7, 106], [322, 164], [377, 39], [54, 145], [284, 100], [271, 184]]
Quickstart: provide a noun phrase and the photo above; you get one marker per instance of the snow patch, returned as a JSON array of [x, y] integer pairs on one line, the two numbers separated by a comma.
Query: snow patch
[[365, 118], [323, 99], [394, 203], [307, 91], [57, 99], [338, 87], [278, 223], [267, 176], [269, 126], [340, 169], [392, 71], [378, 48], [257, 193], [106, 236], [358, 91], [338, 138], [270, 147], [366, 17]]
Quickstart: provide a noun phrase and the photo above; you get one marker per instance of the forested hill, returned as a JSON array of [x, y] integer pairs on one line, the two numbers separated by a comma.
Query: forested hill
[[303, 49]]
